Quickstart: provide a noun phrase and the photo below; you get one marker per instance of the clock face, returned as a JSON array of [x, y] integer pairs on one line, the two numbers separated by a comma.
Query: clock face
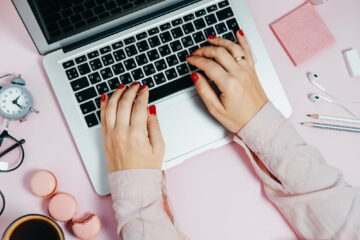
[[15, 101]]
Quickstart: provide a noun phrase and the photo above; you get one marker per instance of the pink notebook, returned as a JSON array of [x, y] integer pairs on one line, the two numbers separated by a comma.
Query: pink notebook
[[302, 33]]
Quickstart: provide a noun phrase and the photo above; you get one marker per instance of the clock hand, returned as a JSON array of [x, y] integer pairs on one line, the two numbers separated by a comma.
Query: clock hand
[[21, 107], [15, 101]]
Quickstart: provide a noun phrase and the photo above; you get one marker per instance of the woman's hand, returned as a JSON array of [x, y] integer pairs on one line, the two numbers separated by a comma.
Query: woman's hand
[[131, 131], [232, 68]]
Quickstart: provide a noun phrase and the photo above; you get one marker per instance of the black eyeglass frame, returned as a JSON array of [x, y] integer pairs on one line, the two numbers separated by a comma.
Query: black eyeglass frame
[[4, 135], [3, 200]]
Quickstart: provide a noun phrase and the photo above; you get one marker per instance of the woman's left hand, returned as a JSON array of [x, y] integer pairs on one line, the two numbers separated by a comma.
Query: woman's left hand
[[131, 131]]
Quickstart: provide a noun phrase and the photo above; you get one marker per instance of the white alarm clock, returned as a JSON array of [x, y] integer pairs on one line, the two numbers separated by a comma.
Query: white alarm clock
[[15, 100]]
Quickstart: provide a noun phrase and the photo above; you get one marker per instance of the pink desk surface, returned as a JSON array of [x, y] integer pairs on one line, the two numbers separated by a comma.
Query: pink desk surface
[[215, 195]]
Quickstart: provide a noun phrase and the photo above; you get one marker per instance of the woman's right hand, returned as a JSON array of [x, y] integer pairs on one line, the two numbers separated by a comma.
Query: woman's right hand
[[232, 68]]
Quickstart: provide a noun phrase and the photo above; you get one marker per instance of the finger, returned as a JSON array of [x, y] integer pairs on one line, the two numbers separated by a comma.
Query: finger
[[220, 54], [139, 112], [212, 70], [155, 136], [208, 95], [111, 110], [125, 106], [233, 48], [104, 102], [244, 44]]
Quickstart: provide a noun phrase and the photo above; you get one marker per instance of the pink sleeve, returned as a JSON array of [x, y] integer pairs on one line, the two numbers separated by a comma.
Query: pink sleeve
[[311, 195], [138, 202]]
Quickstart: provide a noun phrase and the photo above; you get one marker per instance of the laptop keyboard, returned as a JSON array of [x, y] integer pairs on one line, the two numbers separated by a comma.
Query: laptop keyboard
[[156, 57]]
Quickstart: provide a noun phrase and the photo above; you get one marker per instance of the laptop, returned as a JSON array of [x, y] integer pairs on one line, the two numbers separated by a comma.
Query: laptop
[[92, 46]]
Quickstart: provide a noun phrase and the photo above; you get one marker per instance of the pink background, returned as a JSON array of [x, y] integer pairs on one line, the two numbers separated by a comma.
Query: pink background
[[215, 195]]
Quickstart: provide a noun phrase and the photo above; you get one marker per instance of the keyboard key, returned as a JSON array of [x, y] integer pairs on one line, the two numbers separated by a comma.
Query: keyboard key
[[80, 59], [114, 83], [171, 74], [141, 59], [153, 31], [153, 55], [106, 73], [79, 84], [210, 31], [193, 49], [187, 41], [199, 23], [98, 102], [130, 64], [205, 44], [189, 17], [68, 64], [117, 45], [149, 82], [149, 69], [188, 28], [137, 74], [129, 40], [182, 55], [141, 36], [212, 8], [165, 26], [93, 54], [232, 24], [131, 50], [172, 60], [142, 46], [224, 14], [94, 77], [91, 120], [210, 19], [164, 50], [87, 107], [177, 32], [160, 65], [102, 88], [223, 4], [98, 114], [165, 37], [126, 79], [159, 78], [154, 41], [105, 50], [96, 64], [86, 94], [118, 68], [107, 59], [198, 37], [175, 46], [200, 13], [72, 73], [170, 88], [221, 28], [119, 55], [182, 69], [84, 69], [177, 22], [229, 36]]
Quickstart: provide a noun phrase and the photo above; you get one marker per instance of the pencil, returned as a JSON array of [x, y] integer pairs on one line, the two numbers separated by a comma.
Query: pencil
[[331, 127], [334, 119]]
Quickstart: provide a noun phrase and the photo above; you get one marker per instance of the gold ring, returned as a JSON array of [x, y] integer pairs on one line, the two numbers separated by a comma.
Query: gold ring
[[238, 59]]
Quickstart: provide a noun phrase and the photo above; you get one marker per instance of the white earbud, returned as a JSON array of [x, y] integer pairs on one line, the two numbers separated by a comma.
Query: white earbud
[[313, 78], [314, 98]]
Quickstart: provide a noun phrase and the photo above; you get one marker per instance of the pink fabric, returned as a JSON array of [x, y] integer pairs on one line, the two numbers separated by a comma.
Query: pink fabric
[[302, 33], [312, 196]]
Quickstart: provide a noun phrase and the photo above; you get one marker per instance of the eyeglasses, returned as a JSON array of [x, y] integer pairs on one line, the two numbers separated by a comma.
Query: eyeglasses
[[2, 203], [11, 152]]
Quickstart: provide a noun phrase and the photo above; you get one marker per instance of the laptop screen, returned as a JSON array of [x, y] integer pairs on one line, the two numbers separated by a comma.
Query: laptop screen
[[59, 19]]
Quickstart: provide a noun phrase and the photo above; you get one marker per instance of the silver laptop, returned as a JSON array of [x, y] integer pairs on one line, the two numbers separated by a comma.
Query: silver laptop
[[92, 46]]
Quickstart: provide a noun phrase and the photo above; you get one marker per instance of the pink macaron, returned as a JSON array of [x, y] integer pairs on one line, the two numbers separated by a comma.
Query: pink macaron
[[62, 207], [87, 227], [43, 184]]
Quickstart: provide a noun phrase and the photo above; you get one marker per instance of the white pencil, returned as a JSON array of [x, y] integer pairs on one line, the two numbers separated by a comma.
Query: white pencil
[[331, 127], [334, 119]]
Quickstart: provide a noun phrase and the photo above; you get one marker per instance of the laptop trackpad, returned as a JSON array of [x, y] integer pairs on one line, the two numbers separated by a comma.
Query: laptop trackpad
[[187, 126]]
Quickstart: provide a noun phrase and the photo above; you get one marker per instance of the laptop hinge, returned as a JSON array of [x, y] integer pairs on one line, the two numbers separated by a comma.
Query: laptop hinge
[[129, 25]]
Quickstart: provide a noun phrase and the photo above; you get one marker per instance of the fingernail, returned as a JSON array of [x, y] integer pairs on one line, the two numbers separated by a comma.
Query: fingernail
[[211, 37], [194, 77], [143, 86], [121, 86], [152, 109], [188, 56], [135, 83], [241, 32], [103, 97]]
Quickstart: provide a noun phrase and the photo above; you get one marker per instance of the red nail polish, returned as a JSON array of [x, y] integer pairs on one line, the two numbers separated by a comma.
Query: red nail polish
[[211, 37], [152, 109], [121, 86], [135, 83], [194, 77], [143, 86], [241, 32], [103, 97], [188, 56]]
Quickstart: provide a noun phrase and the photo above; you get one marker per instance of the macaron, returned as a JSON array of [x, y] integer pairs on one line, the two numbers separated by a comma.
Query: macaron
[[62, 207], [87, 227], [43, 184]]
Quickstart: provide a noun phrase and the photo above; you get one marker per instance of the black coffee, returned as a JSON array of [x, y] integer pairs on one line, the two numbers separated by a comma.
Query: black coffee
[[35, 230]]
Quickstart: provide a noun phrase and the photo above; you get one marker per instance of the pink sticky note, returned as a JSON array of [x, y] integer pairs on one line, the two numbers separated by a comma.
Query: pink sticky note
[[302, 33]]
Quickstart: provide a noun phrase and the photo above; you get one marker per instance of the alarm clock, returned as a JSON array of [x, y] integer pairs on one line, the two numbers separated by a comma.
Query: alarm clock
[[15, 100]]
